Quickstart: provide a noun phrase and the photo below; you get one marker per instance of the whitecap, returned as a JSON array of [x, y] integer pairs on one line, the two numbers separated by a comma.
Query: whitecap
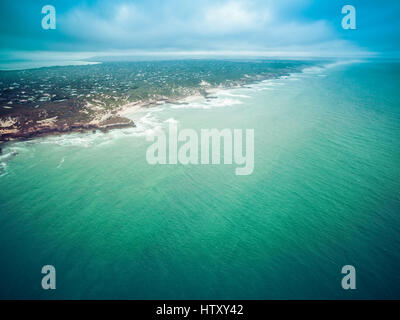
[[3, 169], [217, 102], [61, 163], [230, 94]]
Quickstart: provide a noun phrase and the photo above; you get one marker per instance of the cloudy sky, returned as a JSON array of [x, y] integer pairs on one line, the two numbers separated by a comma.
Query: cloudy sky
[[202, 27]]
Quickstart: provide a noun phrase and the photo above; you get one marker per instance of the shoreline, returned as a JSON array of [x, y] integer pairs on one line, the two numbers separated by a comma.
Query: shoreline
[[49, 129], [114, 119]]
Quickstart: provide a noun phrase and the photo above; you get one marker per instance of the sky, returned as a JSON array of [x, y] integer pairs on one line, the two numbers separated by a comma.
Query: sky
[[281, 28]]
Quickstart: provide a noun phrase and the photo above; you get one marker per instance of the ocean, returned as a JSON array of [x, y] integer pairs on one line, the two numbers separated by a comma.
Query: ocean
[[325, 193]]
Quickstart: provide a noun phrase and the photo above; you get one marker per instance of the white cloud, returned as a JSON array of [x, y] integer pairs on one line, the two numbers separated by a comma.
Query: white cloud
[[233, 17], [106, 23], [125, 13], [203, 26]]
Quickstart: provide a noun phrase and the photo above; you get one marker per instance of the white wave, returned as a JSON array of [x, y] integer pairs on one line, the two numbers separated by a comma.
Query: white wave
[[6, 156], [274, 83], [9, 153], [230, 94], [15, 148], [263, 88], [84, 140], [146, 124], [266, 85], [89, 139], [209, 103], [61, 163], [3, 169]]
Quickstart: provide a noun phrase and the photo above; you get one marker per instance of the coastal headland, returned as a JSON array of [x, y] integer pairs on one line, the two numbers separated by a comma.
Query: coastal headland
[[59, 100]]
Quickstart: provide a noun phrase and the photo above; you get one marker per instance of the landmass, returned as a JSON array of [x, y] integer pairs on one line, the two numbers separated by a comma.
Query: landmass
[[54, 100]]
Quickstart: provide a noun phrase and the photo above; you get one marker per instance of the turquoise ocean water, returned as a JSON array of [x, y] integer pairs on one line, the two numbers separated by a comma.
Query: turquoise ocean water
[[325, 192]]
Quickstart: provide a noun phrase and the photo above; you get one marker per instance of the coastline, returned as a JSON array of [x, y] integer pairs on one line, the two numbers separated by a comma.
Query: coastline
[[32, 124], [49, 128]]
